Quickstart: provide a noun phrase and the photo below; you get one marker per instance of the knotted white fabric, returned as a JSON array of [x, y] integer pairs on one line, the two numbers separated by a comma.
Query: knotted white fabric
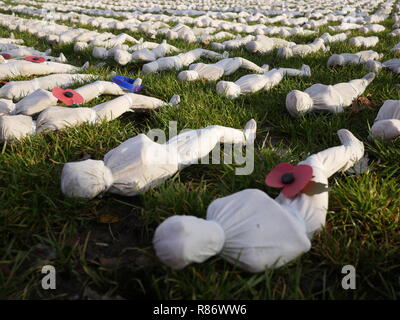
[[387, 122], [6, 107], [330, 98], [254, 82], [263, 44], [140, 163], [250, 229], [217, 70]]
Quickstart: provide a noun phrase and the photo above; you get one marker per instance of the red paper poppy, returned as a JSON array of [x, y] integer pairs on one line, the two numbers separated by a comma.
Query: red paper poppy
[[291, 179], [6, 56], [35, 59], [67, 96]]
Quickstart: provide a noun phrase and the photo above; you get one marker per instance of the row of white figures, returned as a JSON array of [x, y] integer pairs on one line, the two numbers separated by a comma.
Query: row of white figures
[[16, 121], [252, 230], [140, 163]]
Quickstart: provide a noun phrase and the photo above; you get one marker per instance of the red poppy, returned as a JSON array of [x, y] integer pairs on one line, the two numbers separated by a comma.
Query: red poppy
[[291, 179], [6, 55], [35, 59], [68, 96]]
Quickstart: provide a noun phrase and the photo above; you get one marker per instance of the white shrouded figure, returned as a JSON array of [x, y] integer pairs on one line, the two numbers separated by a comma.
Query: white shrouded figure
[[19, 89], [41, 99], [263, 44], [353, 58], [140, 163], [181, 60], [303, 49], [330, 98], [252, 230], [255, 82], [15, 68], [216, 70], [364, 41], [387, 122]]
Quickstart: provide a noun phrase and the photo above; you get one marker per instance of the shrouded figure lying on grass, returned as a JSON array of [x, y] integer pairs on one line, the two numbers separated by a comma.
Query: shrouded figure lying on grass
[[330, 98], [57, 117], [255, 82], [181, 60], [140, 163], [22, 51], [353, 58], [303, 49], [41, 99], [254, 231], [15, 68], [364, 41], [19, 89], [217, 70], [387, 122]]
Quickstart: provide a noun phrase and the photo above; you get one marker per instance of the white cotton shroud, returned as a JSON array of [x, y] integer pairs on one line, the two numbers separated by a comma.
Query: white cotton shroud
[[26, 68], [135, 166], [6, 107], [15, 127], [247, 228], [387, 122], [19, 89], [35, 102], [56, 118]]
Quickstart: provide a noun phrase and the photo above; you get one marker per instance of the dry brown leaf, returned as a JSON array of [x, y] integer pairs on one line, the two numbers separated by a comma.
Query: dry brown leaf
[[108, 218], [362, 103]]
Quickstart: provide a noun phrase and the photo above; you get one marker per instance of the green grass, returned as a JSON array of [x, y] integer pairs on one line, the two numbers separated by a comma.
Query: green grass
[[38, 226]]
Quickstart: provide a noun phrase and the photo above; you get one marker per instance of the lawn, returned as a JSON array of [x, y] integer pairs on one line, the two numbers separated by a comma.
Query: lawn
[[94, 258]]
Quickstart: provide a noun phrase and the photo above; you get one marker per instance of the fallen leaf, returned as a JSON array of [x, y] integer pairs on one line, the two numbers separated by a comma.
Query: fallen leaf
[[314, 188], [108, 218], [362, 103]]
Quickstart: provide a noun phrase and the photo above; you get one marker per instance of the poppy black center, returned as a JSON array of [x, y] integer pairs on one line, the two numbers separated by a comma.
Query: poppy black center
[[287, 178], [35, 58], [68, 94]]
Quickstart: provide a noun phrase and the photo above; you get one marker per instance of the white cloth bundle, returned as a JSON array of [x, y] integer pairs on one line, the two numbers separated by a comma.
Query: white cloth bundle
[[6, 107], [17, 68], [35, 102], [396, 49], [393, 65], [344, 27], [232, 44], [340, 37], [250, 229], [366, 42], [330, 98], [40, 99], [11, 40], [16, 127], [373, 65], [140, 163], [181, 60], [147, 55], [217, 70], [56, 118], [15, 90], [255, 82], [303, 49], [387, 122], [131, 101], [114, 41], [353, 58], [375, 28], [263, 44]]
